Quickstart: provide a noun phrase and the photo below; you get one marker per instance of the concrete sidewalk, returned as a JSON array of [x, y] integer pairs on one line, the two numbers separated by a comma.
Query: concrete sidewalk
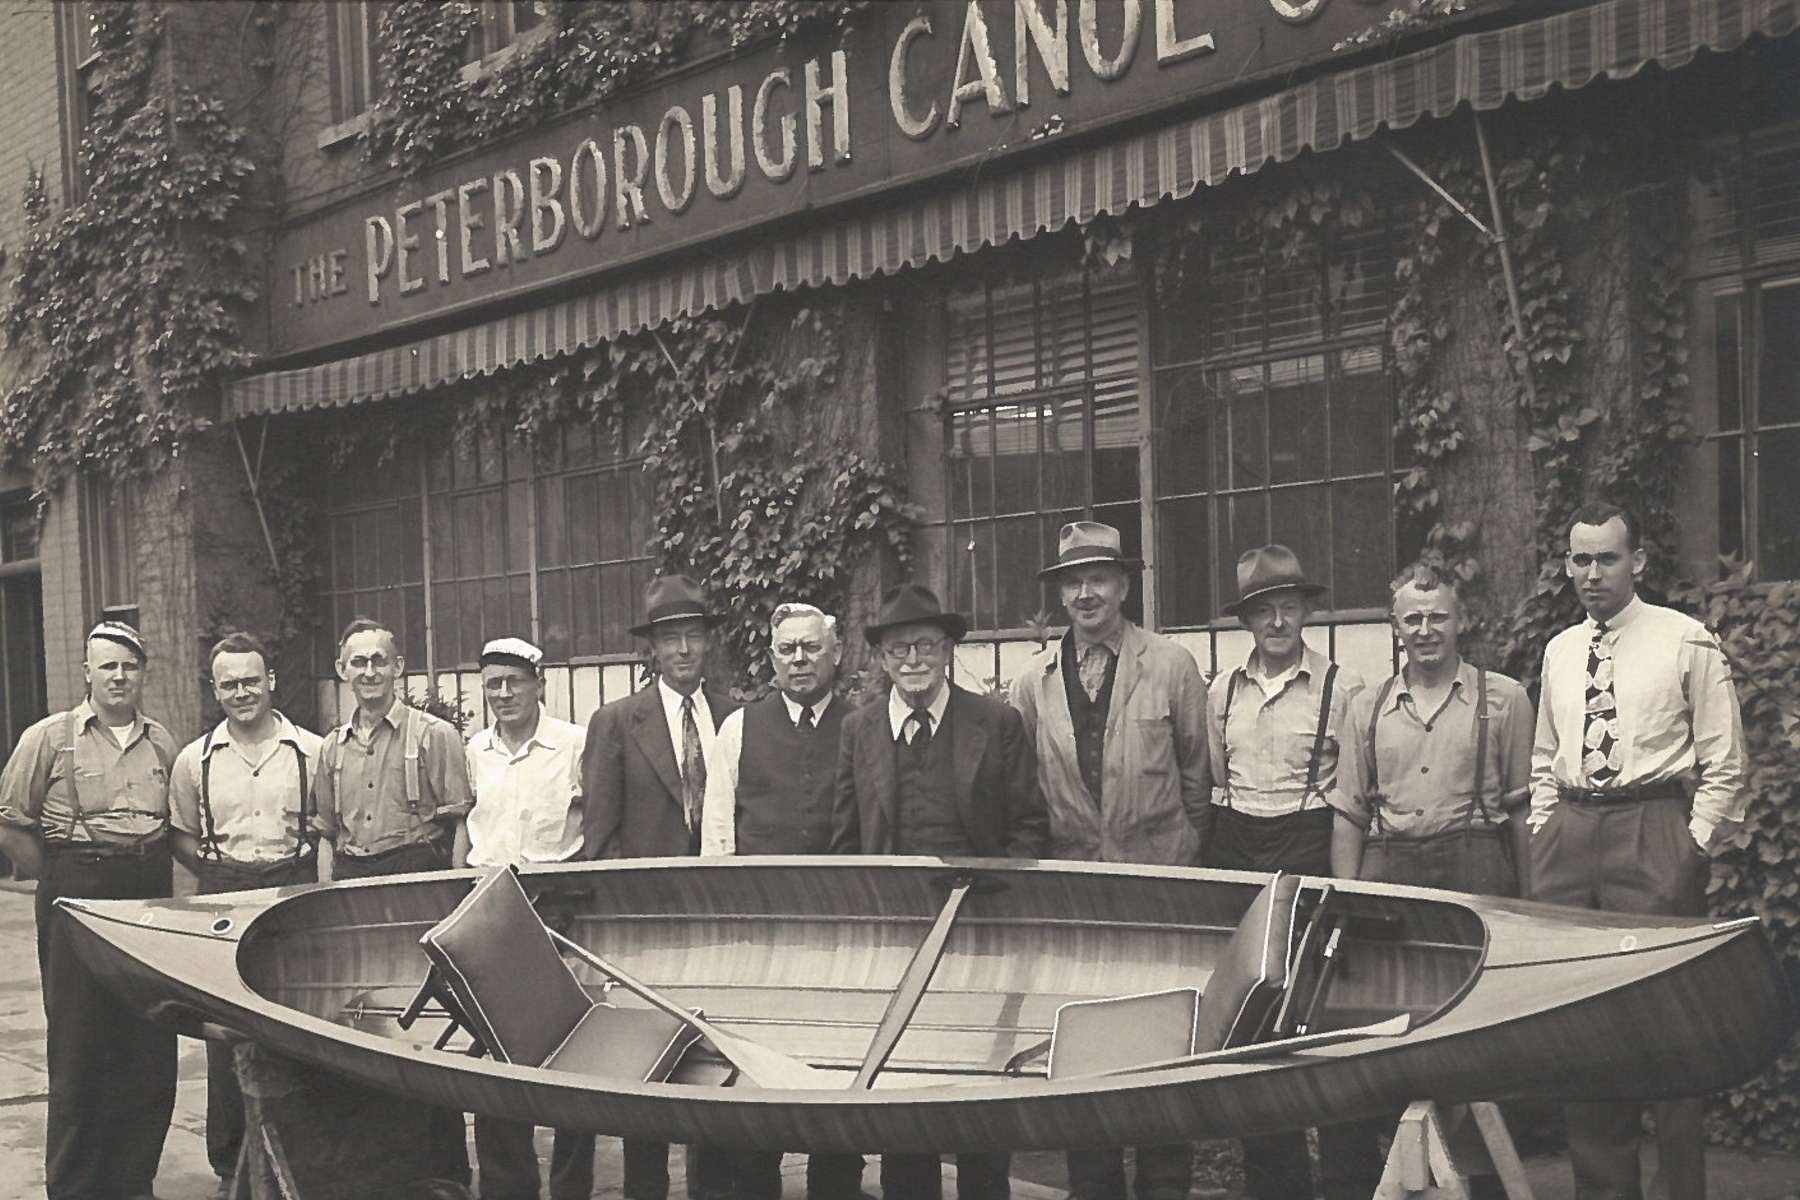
[[1731, 1175]]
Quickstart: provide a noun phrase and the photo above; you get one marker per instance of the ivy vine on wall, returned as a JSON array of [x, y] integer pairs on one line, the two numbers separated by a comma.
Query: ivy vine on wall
[[121, 304]]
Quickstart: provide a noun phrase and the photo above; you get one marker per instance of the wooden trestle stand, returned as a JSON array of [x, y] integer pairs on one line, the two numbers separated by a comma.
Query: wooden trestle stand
[[1438, 1147]]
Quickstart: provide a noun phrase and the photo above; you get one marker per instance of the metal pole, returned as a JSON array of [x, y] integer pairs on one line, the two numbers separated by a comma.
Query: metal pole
[[237, 432], [1506, 263]]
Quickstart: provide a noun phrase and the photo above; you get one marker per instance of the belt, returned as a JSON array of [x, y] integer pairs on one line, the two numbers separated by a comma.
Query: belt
[[1614, 797], [98, 850], [391, 852]]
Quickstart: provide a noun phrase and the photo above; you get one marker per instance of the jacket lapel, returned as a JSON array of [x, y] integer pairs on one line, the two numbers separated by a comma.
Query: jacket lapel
[[651, 732], [968, 741], [883, 775], [1125, 677], [1058, 719]]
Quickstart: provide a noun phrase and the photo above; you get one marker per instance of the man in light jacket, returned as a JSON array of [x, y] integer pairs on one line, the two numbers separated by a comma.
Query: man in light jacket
[[1118, 719]]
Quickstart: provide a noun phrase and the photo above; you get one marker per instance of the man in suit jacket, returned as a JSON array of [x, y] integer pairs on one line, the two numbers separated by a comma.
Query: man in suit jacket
[[643, 786], [933, 769]]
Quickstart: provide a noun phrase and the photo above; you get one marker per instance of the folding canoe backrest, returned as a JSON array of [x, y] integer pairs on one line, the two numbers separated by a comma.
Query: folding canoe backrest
[[497, 959], [1251, 974]]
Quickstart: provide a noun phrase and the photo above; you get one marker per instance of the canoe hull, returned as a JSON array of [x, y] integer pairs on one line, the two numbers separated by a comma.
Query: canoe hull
[[1613, 1011]]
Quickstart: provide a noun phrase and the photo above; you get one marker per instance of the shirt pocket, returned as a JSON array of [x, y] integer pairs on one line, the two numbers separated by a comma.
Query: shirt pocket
[[1156, 745]]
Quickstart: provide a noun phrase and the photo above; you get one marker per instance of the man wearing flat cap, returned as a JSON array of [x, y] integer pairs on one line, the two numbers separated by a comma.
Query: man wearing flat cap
[[1274, 726], [933, 769], [526, 771], [643, 783], [84, 808], [1117, 717]]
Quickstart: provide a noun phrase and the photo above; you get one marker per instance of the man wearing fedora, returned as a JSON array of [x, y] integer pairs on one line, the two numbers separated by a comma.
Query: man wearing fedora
[[1274, 726], [931, 768], [1117, 717], [643, 784]]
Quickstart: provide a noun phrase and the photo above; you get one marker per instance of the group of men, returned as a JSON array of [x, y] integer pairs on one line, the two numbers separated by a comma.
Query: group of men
[[1113, 748]]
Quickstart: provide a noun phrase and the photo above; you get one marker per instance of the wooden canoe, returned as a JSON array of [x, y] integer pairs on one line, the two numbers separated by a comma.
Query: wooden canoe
[[1506, 999]]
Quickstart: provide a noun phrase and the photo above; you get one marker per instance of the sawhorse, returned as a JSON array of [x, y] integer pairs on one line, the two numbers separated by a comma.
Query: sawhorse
[[1436, 1147]]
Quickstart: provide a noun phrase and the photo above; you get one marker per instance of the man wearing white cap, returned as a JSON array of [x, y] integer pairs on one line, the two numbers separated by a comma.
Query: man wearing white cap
[[1118, 717], [526, 772], [1274, 726], [84, 808], [239, 810]]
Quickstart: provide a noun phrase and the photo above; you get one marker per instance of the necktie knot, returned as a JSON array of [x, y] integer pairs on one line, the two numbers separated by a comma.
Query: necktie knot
[[921, 723], [806, 719]]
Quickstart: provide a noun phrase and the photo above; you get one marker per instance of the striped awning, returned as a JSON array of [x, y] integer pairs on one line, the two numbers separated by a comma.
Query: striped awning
[[1614, 38]]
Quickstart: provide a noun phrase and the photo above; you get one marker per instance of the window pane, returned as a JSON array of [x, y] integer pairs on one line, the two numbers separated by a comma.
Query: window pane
[[1016, 433], [1731, 496], [1778, 506], [1727, 351], [1243, 525], [1184, 562], [1778, 367], [1115, 442], [1297, 420], [1017, 550], [553, 604], [584, 608], [1361, 562], [1300, 519], [1182, 433], [1244, 438], [1361, 414]]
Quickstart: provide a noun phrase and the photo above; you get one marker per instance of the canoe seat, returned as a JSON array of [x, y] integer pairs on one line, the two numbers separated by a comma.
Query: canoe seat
[[1251, 974], [522, 1002], [1091, 1036]]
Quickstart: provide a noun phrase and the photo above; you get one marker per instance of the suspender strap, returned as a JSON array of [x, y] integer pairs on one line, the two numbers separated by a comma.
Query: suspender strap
[[209, 837], [1481, 741], [1381, 699], [1318, 746], [1231, 687], [71, 731], [411, 738]]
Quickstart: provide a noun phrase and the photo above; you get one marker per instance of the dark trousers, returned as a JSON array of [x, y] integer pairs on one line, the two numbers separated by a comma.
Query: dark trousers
[[1475, 860], [709, 1172], [112, 1074], [224, 1099], [756, 1175], [1633, 858], [507, 1156], [921, 1177], [1163, 1173], [449, 1132], [1276, 1166]]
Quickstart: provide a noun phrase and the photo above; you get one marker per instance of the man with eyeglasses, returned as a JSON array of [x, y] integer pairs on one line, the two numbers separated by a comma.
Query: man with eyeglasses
[[1118, 718], [1437, 761], [932, 768], [770, 780], [643, 778], [240, 817], [392, 787], [1637, 775], [84, 809], [526, 770], [1274, 727]]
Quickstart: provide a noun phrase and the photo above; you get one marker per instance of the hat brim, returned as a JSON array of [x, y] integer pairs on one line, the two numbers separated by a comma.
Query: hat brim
[[1128, 565], [649, 627], [499, 658], [1305, 589], [953, 625]]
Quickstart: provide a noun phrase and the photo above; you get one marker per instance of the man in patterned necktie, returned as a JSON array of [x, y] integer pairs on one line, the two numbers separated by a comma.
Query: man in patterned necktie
[[1118, 717], [643, 775], [1637, 774]]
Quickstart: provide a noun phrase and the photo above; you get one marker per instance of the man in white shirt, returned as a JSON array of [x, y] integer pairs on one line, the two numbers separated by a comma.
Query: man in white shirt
[[240, 810], [771, 778], [526, 771], [1637, 772]]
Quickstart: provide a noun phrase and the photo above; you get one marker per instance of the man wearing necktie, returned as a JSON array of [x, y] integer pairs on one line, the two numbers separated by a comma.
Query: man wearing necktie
[[643, 774], [931, 768], [1637, 773], [1117, 717], [770, 780]]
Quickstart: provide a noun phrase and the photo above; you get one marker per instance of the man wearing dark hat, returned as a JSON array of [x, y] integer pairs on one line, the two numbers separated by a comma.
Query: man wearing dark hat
[[770, 780], [644, 786], [84, 808], [933, 769], [526, 770], [1274, 726], [240, 802], [1117, 717]]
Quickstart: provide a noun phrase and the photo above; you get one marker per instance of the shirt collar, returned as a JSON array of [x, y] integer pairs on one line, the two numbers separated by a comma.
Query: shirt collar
[[671, 699], [1254, 669], [899, 710], [818, 706], [1115, 643], [393, 716], [1461, 686], [85, 714], [547, 734], [221, 734], [1634, 608]]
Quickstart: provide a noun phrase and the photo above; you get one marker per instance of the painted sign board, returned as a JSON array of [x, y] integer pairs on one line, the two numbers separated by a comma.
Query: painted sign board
[[915, 92]]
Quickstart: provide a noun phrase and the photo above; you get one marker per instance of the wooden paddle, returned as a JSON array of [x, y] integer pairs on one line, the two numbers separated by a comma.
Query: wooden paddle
[[905, 1000], [1250, 1051], [762, 1065]]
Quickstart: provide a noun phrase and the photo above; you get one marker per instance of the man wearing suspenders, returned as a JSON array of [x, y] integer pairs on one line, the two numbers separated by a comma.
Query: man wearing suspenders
[[1437, 770], [392, 787], [84, 808], [1274, 726], [240, 804]]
